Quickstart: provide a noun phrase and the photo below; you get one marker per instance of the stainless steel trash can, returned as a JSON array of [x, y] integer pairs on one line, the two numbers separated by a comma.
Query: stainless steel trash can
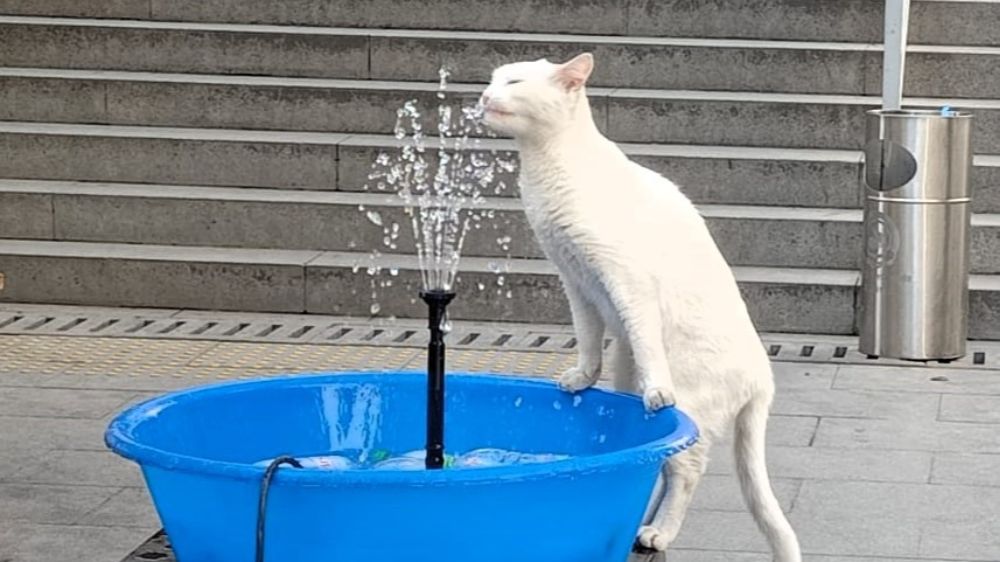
[[915, 272]]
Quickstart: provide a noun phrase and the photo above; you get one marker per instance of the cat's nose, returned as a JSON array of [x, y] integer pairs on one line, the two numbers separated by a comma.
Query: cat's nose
[[484, 100]]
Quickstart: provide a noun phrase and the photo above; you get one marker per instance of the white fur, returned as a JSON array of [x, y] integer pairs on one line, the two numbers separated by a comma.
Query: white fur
[[637, 260]]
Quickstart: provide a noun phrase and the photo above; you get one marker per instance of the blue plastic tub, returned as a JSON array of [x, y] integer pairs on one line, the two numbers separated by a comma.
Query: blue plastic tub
[[198, 448]]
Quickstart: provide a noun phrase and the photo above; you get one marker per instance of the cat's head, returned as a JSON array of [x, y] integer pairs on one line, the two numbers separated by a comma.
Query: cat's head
[[535, 98]]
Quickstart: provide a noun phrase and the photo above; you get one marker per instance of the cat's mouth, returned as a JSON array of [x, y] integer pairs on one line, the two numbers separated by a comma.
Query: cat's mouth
[[492, 111]]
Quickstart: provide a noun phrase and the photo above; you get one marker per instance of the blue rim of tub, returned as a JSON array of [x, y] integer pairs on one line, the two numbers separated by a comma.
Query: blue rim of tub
[[118, 438]]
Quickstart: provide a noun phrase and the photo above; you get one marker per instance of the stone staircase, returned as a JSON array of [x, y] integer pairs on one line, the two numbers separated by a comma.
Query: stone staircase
[[211, 154]]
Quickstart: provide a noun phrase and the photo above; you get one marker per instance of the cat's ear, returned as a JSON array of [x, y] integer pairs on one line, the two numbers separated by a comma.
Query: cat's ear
[[573, 74]]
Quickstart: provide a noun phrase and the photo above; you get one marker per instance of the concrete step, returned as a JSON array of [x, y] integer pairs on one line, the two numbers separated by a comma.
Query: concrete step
[[255, 280], [338, 283], [734, 175], [334, 161], [170, 155], [944, 22], [363, 106], [394, 54], [931, 22], [344, 221]]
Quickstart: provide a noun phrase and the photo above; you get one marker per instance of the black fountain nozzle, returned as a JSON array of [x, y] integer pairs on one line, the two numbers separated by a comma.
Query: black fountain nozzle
[[437, 303]]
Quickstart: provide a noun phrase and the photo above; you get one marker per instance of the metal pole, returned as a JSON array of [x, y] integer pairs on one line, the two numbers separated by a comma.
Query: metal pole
[[437, 303], [897, 24]]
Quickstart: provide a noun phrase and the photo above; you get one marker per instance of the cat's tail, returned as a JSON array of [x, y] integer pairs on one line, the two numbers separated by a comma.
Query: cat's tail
[[748, 445]]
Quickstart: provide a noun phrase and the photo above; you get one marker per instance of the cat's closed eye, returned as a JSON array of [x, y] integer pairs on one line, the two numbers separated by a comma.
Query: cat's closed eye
[[513, 81]]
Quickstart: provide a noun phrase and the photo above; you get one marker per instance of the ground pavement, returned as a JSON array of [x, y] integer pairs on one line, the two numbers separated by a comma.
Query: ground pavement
[[873, 462]]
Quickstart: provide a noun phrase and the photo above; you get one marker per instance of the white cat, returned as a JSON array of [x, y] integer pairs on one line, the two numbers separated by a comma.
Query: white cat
[[636, 259]]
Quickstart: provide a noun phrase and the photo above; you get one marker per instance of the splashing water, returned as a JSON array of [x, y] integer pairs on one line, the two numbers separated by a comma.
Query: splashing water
[[441, 187]]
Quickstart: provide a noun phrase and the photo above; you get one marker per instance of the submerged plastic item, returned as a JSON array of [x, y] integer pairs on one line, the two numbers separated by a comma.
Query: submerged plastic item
[[200, 452]]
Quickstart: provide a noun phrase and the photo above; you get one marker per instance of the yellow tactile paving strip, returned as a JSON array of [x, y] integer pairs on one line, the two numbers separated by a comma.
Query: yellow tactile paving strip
[[206, 360]]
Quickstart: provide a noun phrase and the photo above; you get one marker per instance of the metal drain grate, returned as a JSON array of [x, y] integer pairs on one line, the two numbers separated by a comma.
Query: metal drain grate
[[982, 355], [224, 327], [121, 323]]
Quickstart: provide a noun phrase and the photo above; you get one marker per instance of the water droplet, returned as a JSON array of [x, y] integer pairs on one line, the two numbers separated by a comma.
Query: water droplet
[[375, 217], [577, 400], [518, 401], [557, 405], [481, 286], [375, 308], [394, 271], [602, 438]]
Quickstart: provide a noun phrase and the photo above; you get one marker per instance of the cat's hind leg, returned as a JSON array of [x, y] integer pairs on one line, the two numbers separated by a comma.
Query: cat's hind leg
[[682, 473], [589, 328]]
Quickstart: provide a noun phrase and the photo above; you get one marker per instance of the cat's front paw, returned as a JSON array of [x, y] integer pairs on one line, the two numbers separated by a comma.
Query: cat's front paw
[[658, 397], [651, 537], [576, 379]]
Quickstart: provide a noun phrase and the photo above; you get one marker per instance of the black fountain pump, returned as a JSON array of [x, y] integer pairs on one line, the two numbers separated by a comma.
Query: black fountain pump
[[437, 303]]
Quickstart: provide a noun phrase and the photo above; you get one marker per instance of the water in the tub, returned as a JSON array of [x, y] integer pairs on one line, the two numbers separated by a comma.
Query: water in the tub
[[414, 460]]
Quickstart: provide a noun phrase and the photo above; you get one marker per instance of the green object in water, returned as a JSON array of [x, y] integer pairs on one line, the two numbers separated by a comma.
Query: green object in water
[[379, 455]]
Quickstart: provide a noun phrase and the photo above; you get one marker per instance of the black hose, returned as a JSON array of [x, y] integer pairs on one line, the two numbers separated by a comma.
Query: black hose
[[265, 485]]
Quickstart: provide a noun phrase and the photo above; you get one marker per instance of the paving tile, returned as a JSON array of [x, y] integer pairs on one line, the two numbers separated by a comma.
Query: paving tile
[[40, 503], [149, 380], [688, 555], [962, 522], [9, 537], [813, 558], [836, 464], [912, 435], [49, 543], [721, 530], [122, 351], [968, 469], [722, 493], [802, 376], [917, 379], [967, 408], [60, 403], [298, 358], [43, 434], [859, 518], [94, 468], [856, 403], [131, 507], [792, 431], [13, 458], [902, 520], [35, 379], [782, 430]]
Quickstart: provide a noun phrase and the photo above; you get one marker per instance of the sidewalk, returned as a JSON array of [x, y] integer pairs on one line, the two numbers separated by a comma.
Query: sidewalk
[[873, 463]]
